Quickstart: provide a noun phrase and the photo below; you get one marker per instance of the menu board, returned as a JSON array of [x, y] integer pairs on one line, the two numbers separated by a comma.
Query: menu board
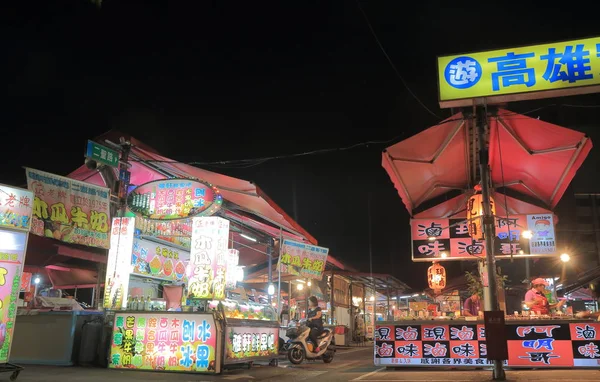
[[160, 341], [246, 343], [449, 239], [158, 260], [529, 345], [12, 259]]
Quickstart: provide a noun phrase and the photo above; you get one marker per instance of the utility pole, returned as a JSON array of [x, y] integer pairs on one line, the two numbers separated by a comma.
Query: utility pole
[[489, 228]]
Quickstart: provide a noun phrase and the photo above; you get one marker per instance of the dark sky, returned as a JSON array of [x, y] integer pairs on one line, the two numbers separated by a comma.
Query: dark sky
[[221, 80]]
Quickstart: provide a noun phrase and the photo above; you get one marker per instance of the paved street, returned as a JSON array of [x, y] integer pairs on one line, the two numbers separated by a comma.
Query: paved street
[[349, 365]]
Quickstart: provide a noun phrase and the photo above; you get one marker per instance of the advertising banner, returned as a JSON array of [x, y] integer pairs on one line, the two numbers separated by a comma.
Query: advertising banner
[[69, 210], [246, 343], [208, 258], [158, 260], [12, 259], [530, 72], [448, 239], [26, 282], [15, 208], [118, 267], [161, 341], [303, 260], [530, 345]]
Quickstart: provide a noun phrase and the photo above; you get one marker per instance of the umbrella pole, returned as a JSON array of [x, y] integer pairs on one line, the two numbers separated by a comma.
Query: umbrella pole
[[491, 304]]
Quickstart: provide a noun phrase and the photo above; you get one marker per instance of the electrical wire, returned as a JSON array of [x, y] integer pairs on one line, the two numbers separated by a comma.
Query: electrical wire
[[391, 62]]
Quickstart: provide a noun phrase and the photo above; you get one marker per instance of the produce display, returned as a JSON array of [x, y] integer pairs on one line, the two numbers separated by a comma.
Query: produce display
[[246, 310]]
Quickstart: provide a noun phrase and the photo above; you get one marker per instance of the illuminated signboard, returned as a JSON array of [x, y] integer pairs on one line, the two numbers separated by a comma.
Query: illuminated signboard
[[158, 260], [302, 259], [453, 242], [15, 208], [246, 343], [118, 267], [69, 210], [531, 72], [207, 270], [529, 345], [162, 341], [12, 259], [172, 199]]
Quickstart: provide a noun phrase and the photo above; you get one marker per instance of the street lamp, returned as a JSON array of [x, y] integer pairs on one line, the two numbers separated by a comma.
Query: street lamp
[[565, 258]]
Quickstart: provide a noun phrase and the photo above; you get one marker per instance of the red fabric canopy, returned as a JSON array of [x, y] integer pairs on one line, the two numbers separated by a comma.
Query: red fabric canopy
[[533, 158]]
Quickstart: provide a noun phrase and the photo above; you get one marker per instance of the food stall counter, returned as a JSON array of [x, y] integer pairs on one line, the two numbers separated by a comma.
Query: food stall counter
[[251, 331], [45, 337], [532, 343]]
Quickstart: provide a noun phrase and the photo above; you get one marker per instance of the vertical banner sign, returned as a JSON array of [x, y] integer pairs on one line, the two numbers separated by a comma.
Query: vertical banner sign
[[69, 210], [208, 258], [233, 259], [542, 228], [118, 267], [12, 259], [303, 260], [169, 342], [15, 208]]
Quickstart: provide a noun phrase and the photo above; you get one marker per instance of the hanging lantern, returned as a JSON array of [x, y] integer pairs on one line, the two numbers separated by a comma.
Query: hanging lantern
[[475, 215], [436, 276]]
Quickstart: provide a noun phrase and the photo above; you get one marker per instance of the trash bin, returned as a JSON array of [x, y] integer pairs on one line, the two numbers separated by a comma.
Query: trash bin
[[91, 334]]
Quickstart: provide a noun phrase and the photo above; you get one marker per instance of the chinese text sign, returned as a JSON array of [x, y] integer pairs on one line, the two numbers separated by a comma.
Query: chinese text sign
[[304, 260], [208, 258], [529, 345], [450, 238], [158, 260], [548, 67], [118, 267], [244, 343], [162, 341], [12, 259], [15, 208], [69, 210]]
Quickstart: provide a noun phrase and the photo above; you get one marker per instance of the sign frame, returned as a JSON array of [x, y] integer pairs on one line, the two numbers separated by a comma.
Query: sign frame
[[558, 91]]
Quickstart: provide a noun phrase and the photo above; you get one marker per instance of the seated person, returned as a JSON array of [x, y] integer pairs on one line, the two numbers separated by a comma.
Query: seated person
[[314, 321]]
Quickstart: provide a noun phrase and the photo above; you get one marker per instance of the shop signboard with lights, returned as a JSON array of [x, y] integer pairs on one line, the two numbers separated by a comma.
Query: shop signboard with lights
[[15, 222], [172, 199], [303, 259], [516, 236]]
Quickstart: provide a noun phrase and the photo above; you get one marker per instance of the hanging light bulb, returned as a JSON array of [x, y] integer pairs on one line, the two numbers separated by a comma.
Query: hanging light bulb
[[300, 286], [309, 283]]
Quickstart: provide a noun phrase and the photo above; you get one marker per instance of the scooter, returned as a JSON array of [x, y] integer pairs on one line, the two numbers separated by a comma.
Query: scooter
[[299, 347]]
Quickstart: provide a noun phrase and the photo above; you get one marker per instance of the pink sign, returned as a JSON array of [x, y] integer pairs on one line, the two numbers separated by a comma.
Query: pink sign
[[69, 210], [12, 258], [26, 282], [15, 208], [304, 260]]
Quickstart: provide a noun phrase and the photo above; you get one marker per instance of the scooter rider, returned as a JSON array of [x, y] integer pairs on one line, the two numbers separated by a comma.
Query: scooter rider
[[314, 321]]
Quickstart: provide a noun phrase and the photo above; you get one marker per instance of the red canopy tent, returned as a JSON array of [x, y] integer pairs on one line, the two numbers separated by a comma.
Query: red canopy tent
[[532, 162]]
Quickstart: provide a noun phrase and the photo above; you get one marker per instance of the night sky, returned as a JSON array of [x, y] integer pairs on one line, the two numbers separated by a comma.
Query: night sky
[[217, 80]]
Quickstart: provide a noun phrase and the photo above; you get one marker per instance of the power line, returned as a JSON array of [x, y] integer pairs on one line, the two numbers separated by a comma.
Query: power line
[[391, 62]]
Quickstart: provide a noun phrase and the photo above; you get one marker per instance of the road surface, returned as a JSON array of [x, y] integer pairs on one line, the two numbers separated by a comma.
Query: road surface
[[349, 365]]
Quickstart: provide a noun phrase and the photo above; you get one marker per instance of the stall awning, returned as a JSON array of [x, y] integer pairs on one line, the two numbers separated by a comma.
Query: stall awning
[[530, 160], [581, 281], [382, 283], [243, 197]]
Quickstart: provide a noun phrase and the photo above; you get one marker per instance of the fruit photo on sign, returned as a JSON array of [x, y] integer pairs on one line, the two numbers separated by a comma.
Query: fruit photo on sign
[[155, 265], [168, 267]]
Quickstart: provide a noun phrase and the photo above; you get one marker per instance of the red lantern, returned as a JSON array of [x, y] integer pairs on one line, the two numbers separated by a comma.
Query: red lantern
[[475, 214], [436, 276]]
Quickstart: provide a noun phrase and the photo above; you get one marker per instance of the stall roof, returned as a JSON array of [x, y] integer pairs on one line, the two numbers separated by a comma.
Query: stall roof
[[381, 282], [244, 197], [441, 163]]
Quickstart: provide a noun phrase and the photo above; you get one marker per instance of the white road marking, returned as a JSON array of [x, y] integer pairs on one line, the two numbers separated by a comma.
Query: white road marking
[[360, 378]]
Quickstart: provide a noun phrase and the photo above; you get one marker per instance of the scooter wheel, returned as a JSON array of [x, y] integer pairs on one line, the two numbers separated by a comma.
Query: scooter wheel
[[296, 355], [327, 356]]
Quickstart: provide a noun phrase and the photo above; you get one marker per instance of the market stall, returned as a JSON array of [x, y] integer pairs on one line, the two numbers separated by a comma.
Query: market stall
[[532, 343]]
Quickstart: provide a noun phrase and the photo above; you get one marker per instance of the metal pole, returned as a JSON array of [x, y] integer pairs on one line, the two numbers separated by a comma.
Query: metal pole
[[490, 304], [527, 271]]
